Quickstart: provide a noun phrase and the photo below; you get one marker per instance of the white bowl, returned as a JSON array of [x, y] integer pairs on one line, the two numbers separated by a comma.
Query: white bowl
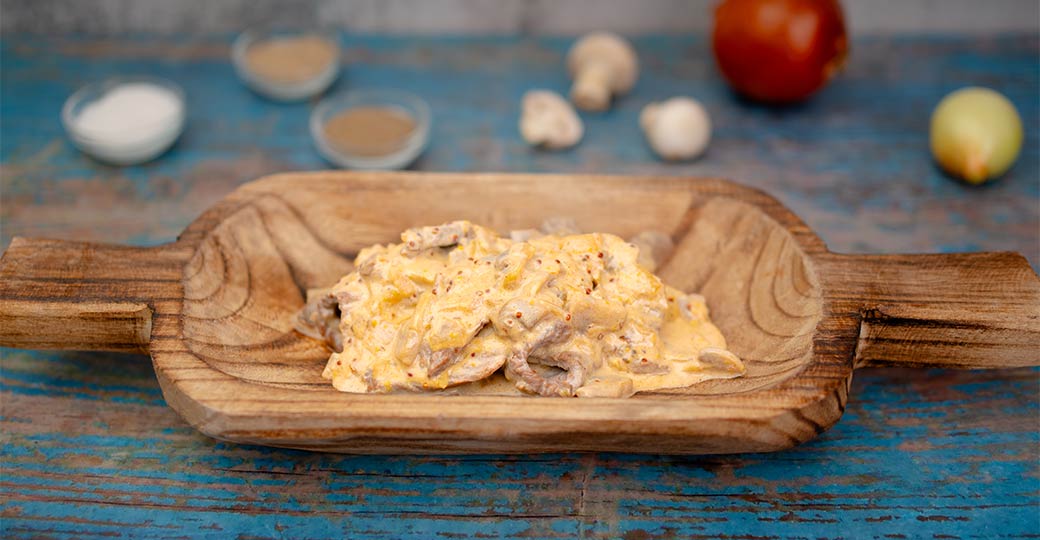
[[122, 151], [277, 90], [408, 103]]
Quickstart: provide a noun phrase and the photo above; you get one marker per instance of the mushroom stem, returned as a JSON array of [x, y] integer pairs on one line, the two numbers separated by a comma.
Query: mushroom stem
[[603, 65], [591, 90]]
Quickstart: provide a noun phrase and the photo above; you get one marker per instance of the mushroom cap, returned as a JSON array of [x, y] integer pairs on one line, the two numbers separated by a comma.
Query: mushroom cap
[[678, 128], [546, 119], [608, 48]]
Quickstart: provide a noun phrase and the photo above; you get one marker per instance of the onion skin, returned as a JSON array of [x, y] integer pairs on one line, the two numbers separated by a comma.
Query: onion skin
[[976, 134], [779, 51]]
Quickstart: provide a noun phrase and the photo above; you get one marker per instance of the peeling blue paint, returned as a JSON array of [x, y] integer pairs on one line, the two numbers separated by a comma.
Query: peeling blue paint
[[88, 447]]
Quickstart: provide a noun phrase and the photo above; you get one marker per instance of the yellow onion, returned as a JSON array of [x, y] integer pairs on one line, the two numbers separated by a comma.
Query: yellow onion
[[976, 134]]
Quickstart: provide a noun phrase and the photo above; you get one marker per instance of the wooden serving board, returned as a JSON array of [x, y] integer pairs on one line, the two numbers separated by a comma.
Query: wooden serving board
[[215, 308]]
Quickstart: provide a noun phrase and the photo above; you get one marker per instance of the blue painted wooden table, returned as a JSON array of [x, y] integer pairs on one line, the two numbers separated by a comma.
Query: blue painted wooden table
[[89, 448]]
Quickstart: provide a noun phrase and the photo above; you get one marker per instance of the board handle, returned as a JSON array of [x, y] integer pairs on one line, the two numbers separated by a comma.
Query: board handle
[[965, 310], [56, 294]]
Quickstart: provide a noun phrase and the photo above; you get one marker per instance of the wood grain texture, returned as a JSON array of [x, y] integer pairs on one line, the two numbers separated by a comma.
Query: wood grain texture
[[89, 448], [229, 361], [82, 296], [964, 310], [258, 251]]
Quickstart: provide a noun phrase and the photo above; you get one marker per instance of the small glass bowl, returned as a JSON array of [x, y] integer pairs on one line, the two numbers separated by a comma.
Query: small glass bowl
[[124, 151], [408, 103], [278, 90]]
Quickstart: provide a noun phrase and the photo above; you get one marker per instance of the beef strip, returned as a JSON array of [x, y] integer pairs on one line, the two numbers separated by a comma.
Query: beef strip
[[423, 238], [319, 319], [520, 372]]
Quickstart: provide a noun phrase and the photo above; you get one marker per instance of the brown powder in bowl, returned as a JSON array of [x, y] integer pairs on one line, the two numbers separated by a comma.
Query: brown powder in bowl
[[369, 131], [290, 59]]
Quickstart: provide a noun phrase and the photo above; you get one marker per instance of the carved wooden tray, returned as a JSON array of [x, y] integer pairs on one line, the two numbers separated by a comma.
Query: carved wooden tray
[[215, 308]]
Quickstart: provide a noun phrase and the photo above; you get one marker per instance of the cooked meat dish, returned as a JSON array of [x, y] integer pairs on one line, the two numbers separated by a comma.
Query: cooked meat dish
[[557, 312]]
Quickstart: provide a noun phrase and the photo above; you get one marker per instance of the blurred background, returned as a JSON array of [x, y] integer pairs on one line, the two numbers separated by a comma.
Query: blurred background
[[541, 17], [853, 160]]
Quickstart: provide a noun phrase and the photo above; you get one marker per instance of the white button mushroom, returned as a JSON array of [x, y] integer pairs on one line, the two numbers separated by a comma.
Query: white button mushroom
[[602, 65], [546, 119], [678, 128]]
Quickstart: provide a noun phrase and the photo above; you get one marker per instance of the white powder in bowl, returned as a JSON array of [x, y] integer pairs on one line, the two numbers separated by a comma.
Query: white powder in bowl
[[131, 114]]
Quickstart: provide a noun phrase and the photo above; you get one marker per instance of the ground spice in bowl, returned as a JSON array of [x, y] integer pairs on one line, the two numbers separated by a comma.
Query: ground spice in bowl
[[286, 66], [373, 129], [290, 59], [369, 131]]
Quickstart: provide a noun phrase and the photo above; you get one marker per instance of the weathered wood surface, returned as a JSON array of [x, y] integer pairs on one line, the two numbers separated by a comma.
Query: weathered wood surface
[[88, 445]]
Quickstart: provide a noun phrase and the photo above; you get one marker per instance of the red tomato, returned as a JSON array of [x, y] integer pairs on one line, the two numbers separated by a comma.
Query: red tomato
[[779, 51]]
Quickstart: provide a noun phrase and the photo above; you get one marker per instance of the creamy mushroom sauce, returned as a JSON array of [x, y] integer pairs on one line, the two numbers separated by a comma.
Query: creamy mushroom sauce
[[558, 314]]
